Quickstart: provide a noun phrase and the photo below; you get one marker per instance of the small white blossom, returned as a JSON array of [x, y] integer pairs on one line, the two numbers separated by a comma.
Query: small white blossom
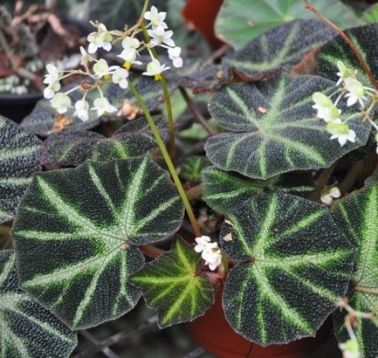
[[120, 77], [130, 43], [212, 256], [341, 132], [330, 194], [350, 349], [174, 54], [326, 110], [101, 68], [130, 58], [155, 17], [159, 36], [61, 102], [85, 56], [102, 38], [202, 243], [356, 92], [81, 109], [102, 106], [344, 72], [155, 68], [52, 80]]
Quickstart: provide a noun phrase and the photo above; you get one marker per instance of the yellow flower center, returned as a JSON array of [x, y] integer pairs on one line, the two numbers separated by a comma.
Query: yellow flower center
[[127, 65], [158, 77]]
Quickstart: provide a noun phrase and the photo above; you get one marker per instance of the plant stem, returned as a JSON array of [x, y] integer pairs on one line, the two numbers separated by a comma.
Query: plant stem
[[352, 176], [167, 159], [322, 182], [369, 290], [196, 113], [195, 192], [365, 67]]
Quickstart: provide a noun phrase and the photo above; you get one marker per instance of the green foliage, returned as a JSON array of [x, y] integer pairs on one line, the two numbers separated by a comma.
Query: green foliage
[[71, 148], [240, 21], [224, 190], [173, 285], [371, 14], [19, 158], [365, 38], [292, 263], [273, 129], [191, 168], [279, 48], [77, 232], [358, 216], [27, 329]]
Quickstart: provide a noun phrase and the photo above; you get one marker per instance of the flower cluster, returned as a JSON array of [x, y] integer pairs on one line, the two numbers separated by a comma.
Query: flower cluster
[[355, 93], [328, 194], [97, 71], [210, 252]]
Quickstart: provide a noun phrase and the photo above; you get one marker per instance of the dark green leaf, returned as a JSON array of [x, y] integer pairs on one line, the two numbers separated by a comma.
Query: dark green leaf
[[273, 128], [240, 21], [223, 190], [279, 48], [358, 216], [365, 38], [27, 329], [292, 264], [172, 285], [19, 159], [71, 148], [191, 168], [77, 230]]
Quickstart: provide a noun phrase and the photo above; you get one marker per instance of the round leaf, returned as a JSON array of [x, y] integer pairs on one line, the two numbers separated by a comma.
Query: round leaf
[[26, 328], [358, 216], [279, 48], [273, 128], [76, 231], [171, 284], [19, 159], [292, 264]]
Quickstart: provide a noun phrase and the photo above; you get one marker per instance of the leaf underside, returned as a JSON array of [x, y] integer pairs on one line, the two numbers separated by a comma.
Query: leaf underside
[[77, 230], [71, 148], [292, 264], [172, 286], [365, 39], [19, 159], [26, 328], [239, 22], [224, 190], [273, 129], [358, 216], [279, 48]]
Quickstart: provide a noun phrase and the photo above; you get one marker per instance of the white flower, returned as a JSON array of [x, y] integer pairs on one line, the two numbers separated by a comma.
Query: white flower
[[155, 17], [341, 132], [120, 77], [130, 43], [344, 72], [330, 194], [174, 54], [356, 92], [52, 80], [101, 68], [50, 90], [155, 68], [102, 106], [81, 109], [212, 256], [350, 349], [325, 107], [129, 56], [61, 102], [85, 56], [100, 39], [160, 36], [202, 243]]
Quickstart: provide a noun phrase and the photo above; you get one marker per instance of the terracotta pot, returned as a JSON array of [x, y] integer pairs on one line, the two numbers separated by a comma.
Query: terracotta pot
[[213, 333], [202, 14]]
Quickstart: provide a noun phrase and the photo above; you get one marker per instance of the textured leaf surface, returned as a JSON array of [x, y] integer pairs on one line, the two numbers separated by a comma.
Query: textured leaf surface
[[224, 190], [365, 38], [27, 330], [71, 148], [171, 285], [191, 168], [42, 119], [239, 21], [292, 264], [19, 159], [76, 232], [358, 216], [273, 128], [279, 48]]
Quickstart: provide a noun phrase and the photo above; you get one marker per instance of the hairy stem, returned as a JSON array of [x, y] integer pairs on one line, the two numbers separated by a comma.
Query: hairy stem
[[369, 290], [167, 160]]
